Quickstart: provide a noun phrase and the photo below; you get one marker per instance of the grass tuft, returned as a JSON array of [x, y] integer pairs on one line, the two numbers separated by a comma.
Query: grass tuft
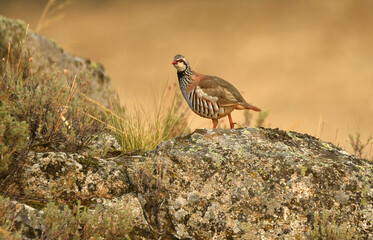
[[147, 126]]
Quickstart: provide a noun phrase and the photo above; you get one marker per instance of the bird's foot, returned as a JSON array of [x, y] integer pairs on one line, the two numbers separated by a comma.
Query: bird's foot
[[214, 123]]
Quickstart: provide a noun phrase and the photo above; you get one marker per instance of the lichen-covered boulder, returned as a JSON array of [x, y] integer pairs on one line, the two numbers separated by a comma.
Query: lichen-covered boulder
[[250, 183], [65, 176], [258, 184], [48, 57]]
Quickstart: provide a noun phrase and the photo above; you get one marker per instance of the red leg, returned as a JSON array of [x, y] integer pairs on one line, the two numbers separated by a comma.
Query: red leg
[[230, 121], [214, 123]]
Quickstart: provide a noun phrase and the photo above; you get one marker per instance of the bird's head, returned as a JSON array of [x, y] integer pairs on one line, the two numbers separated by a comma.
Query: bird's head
[[180, 63]]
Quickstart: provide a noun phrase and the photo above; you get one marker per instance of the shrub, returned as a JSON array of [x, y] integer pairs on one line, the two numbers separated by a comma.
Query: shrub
[[113, 222], [61, 222], [41, 112], [13, 137]]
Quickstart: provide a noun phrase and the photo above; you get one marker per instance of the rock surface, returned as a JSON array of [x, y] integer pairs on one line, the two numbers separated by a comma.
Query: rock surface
[[67, 176], [261, 183], [250, 183], [49, 57]]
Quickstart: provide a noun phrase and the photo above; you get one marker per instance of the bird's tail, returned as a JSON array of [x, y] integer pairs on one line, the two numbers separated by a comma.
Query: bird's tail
[[248, 106]]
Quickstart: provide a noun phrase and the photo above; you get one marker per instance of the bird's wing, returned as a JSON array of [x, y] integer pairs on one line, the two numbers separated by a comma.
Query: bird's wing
[[226, 93]]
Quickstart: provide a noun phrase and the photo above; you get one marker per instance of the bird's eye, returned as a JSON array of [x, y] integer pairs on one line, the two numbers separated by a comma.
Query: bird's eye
[[180, 60]]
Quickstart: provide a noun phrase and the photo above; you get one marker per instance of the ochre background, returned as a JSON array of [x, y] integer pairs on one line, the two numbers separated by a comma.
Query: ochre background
[[309, 63]]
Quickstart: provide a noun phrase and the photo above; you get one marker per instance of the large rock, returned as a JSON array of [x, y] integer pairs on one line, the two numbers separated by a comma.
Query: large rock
[[49, 58], [261, 184], [59, 175], [221, 184]]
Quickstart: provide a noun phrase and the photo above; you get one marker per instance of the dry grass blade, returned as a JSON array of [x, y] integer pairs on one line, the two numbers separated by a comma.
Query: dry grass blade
[[51, 13], [71, 91], [104, 123], [320, 127]]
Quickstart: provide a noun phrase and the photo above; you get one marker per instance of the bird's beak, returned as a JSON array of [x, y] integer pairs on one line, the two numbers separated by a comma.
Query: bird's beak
[[174, 62]]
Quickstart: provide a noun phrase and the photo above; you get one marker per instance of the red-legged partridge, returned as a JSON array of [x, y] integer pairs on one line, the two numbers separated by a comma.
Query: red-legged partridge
[[208, 96]]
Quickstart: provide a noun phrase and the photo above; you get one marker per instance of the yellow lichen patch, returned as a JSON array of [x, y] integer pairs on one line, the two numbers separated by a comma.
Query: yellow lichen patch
[[326, 146], [303, 170], [361, 167]]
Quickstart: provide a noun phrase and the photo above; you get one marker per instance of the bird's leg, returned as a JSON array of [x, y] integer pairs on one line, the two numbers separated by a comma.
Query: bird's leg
[[230, 121], [214, 123]]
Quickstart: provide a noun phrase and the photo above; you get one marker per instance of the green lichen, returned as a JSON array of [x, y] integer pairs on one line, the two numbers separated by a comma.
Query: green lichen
[[89, 161], [361, 167], [365, 192], [246, 131], [36, 204], [196, 148], [241, 153], [303, 170]]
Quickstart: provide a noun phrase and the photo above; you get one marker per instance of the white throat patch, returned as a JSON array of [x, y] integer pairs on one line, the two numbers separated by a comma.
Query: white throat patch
[[180, 66]]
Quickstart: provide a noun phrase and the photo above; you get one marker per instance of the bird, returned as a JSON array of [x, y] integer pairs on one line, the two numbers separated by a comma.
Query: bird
[[208, 96]]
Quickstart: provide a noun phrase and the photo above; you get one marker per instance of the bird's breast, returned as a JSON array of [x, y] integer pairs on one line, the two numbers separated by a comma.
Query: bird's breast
[[203, 104]]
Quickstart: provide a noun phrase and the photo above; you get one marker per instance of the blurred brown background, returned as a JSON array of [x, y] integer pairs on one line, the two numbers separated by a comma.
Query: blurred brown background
[[309, 63]]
